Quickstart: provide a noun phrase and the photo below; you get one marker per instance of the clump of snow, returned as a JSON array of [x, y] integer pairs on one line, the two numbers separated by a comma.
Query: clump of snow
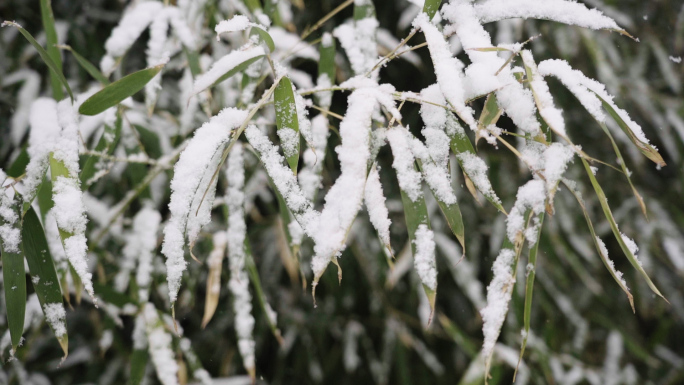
[[10, 234], [531, 196], [436, 177], [632, 247], [403, 163], [234, 24], [159, 346], [424, 260], [55, 315], [44, 133], [375, 204], [498, 297], [542, 95], [192, 174], [359, 43], [225, 64], [476, 169], [677, 59], [604, 255]]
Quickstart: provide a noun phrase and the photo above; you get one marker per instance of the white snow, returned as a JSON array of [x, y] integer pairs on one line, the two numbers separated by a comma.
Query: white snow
[[9, 230], [424, 260], [542, 96], [436, 177], [159, 346], [611, 264], [224, 65], [375, 204], [476, 169], [359, 43], [43, 134], [562, 11], [195, 165], [531, 196], [674, 59], [409, 178], [55, 315], [499, 294], [234, 24]]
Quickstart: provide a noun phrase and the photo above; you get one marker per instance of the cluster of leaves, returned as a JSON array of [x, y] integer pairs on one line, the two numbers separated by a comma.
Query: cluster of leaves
[[375, 326]]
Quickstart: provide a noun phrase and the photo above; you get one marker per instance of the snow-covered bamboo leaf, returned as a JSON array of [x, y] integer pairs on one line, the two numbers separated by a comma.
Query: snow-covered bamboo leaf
[[431, 7], [159, 345], [363, 9], [43, 55], [51, 40], [287, 121], [629, 251], [116, 92], [106, 145], [647, 149], [18, 167], [490, 114], [229, 65], [44, 276], [87, 66], [603, 254], [215, 264], [13, 273], [265, 37]]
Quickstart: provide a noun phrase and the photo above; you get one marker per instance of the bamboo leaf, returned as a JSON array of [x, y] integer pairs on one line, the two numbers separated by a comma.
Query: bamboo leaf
[[86, 65], [42, 268], [363, 10], [43, 55], [237, 69], [431, 7], [326, 63], [416, 214], [251, 268], [265, 37], [649, 151], [51, 39], [18, 167], [616, 232], [14, 282], [116, 92], [253, 5], [139, 359], [287, 121], [604, 258], [107, 144]]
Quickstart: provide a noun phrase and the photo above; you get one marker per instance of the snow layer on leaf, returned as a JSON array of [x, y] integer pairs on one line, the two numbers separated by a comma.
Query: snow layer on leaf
[[310, 175], [193, 167], [403, 163], [424, 260], [584, 89], [43, 134], [548, 111], [181, 29], [141, 242], [556, 159], [476, 169], [530, 196], [436, 177], [375, 204], [55, 315], [225, 64], [155, 55], [448, 70], [562, 11], [134, 21], [9, 231], [498, 296], [234, 24], [345, 197], [611, 264], [358, 41]]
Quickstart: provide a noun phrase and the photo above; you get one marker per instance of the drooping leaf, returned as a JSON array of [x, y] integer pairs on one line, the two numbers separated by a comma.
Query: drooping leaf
[[431, 7], [116, 92], [265, 37], [14, 282], [41, 267], [616, 232], [287, 121], [253, 272], [18, 167], [87, 66], [43, 55], [150, 141], [51, 39], [234, 70]]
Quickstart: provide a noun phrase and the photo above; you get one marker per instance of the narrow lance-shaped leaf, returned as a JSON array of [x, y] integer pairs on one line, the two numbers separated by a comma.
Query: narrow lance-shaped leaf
[[87, 66], [44, 276], [253, 272], [18, 167], [604, 258], [215, 264], [51, 40], [106, 145], [229, 65], [614, 227], [326, 64], [416, 214], [43, 55], [529, 289], [431, 7], [14, 279], [264, 36], [116, 92], [287, 122]]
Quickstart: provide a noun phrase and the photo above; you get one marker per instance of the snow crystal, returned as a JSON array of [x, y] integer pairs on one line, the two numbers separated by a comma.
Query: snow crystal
[[562, 11], [375, 203], [424, 260]]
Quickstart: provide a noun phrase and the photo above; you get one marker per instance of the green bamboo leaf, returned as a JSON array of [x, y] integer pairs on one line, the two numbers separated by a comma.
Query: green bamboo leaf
[[616, 232], [14, 281], [416, 214], [86, 65], [271, 9], [107, 144], [139, 359], [490, 49], [51, 40], [150, 141], [604, 258], [490, 114], [193, 62], [265, 37], [253, 5], [43, 55], [253, 272], [363, 9], [42, 268], [44, 197], [18, 167], [529, 289], [287, 121], [326, 63], [649, 151], [431, 7], [116, 92]]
